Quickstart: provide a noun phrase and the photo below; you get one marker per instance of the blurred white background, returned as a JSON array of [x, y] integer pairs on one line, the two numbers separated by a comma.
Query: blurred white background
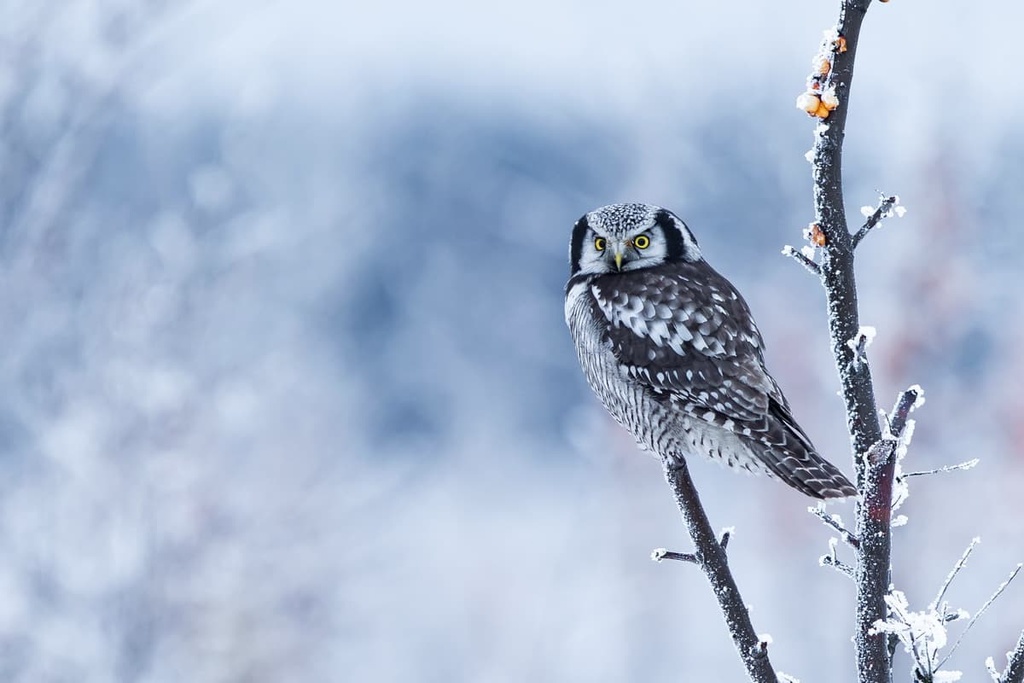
[[285, 390]]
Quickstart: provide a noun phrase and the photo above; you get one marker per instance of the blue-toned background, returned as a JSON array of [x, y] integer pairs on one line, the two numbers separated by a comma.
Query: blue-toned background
[[285, 389]]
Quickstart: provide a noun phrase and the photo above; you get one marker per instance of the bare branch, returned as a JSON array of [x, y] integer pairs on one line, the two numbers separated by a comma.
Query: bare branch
[[802, 259], [884, 210], [832, 560], [834, 522], [969, 464], [710, 557], [659, 554], [956, 570], [829, 561], [980, 611]]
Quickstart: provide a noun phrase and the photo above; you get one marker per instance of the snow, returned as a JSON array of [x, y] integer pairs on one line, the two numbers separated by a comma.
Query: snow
[[922, 634], [919, 402], [990, 666]]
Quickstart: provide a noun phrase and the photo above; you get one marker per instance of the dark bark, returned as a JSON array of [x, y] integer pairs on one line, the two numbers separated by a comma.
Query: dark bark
[[873, 459], [710, 556], [1014, 672]]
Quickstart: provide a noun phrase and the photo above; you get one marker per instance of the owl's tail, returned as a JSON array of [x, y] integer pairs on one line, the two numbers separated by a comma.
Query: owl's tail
[[792, 458]]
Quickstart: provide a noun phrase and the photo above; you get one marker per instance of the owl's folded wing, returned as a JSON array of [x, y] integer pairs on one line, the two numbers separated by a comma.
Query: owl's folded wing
[[689, 337]]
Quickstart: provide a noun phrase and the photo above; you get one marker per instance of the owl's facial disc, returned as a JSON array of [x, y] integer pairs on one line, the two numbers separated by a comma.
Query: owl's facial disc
[[624, 237], [631, 253]]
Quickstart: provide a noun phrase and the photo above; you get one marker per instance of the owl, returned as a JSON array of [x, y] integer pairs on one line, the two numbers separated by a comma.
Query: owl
[[671, 349]]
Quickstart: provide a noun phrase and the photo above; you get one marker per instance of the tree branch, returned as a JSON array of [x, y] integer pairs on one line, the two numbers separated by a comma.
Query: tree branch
[[1014, 672], [802, 259], [884, 210], [711, 558], [836, 524], [874, 459]]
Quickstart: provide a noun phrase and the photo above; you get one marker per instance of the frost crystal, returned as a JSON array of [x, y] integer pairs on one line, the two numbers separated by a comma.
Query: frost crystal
[[899, 520], [922, 634], [900, 211], [946, 676], [765, 638], [866, 211], [786, 678], [920, 396], [808, 251], [809, 155]]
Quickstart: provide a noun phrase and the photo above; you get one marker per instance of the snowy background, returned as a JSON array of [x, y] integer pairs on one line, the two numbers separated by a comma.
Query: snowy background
[[285, 390]]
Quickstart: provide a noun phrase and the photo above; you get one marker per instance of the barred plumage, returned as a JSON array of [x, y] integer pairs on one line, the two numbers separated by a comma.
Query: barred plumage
[[672, 351]]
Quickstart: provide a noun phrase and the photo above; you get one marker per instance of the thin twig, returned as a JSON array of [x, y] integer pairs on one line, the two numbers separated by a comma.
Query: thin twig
[[831, 561], [802, 259], [981, 611], [956, 570], [659, 554], [831, 521], [883, 211], [969, 464]]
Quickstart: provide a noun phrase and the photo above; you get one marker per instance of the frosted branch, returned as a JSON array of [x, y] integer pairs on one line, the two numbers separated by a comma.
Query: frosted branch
[[831, 561], [659, 554], [907, 402], [886, 207], [836, 523], [801, 258], [1014, 671], [873, 458], [956, 570], [981, 611], [969, 464], [710, 556]]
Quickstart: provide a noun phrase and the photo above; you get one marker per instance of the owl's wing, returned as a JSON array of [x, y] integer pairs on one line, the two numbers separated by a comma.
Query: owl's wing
[[683, 331]]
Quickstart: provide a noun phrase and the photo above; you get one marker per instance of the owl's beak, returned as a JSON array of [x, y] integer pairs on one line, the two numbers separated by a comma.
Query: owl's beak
[[618, 257]]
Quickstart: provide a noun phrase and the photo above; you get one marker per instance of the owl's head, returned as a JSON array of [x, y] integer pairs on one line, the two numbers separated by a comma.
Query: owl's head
[[622, 237]]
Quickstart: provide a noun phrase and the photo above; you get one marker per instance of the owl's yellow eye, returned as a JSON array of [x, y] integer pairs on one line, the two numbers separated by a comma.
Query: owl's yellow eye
[[641, 241], [599, 243]]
